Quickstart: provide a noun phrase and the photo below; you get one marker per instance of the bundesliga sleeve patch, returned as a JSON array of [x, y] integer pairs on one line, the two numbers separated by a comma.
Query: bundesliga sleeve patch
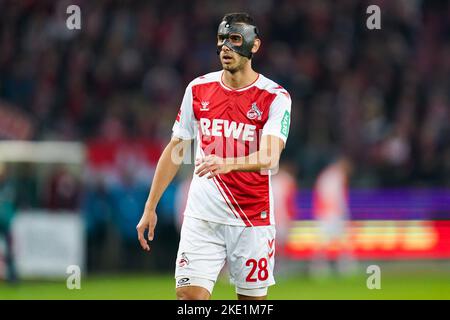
[[285, 123]]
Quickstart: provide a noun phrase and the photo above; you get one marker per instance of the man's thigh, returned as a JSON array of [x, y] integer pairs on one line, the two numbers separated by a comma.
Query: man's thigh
[[251, 259], [201, 254]]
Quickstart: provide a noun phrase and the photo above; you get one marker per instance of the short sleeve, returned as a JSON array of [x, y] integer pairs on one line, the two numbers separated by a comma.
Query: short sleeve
[[279, 120], [184, 126]]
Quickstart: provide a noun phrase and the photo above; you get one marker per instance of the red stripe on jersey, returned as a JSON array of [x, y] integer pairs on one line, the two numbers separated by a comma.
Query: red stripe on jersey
[[250, 192], [235, 204], [284, 91], [224, 198]]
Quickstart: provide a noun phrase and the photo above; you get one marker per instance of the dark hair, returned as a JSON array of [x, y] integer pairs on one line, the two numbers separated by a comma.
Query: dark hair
[[237, 17]]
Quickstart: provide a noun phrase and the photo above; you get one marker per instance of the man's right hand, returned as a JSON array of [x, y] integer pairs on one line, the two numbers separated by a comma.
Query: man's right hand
[[148, 221], [166, 169]]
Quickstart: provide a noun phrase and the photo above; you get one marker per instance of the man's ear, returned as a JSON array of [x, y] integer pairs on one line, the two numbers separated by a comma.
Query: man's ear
[[256, 45]]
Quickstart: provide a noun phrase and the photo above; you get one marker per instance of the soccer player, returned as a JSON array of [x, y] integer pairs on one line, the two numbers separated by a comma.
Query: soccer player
[[241, 120], [331, 211]]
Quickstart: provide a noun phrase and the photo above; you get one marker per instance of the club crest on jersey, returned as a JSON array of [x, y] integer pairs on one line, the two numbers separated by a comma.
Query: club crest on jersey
[[254, 112], [184, 261], [205, 106]]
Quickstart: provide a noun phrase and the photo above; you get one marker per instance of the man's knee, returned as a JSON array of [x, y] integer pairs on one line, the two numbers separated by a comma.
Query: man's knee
[[252, 294], [243, 297], [192, 293]]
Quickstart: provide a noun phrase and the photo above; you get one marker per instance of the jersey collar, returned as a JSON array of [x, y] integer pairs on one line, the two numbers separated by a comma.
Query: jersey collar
[[239, 89]]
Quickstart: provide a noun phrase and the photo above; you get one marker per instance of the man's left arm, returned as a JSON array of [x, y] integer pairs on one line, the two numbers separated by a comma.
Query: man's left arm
[[273, 140], [266, 158]]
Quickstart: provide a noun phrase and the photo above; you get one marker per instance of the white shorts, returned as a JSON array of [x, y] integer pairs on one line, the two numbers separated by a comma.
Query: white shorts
[[205, 247]]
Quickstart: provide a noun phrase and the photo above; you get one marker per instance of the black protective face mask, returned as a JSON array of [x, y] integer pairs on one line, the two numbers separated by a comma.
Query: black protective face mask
[[248, 33]]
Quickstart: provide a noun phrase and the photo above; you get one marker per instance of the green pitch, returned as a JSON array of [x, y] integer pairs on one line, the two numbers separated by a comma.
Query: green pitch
[[393, 286]]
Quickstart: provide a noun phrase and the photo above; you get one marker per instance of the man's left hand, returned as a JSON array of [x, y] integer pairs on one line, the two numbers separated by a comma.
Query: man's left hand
[[213, 165]]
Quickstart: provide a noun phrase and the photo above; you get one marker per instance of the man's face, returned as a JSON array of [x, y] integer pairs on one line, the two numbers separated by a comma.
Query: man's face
[[230, 60]]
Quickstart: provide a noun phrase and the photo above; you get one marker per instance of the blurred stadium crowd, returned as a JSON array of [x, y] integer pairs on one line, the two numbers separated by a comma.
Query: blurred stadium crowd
[[379, 96]]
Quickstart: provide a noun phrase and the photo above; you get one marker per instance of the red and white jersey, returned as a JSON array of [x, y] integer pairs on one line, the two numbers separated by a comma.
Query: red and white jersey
[[229, 123]]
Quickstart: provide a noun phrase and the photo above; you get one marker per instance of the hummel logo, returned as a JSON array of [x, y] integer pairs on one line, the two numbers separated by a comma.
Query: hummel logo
[[204, 106]]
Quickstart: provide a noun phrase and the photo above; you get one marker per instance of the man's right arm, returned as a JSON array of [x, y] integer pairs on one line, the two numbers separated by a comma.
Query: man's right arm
[[167, 168]]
